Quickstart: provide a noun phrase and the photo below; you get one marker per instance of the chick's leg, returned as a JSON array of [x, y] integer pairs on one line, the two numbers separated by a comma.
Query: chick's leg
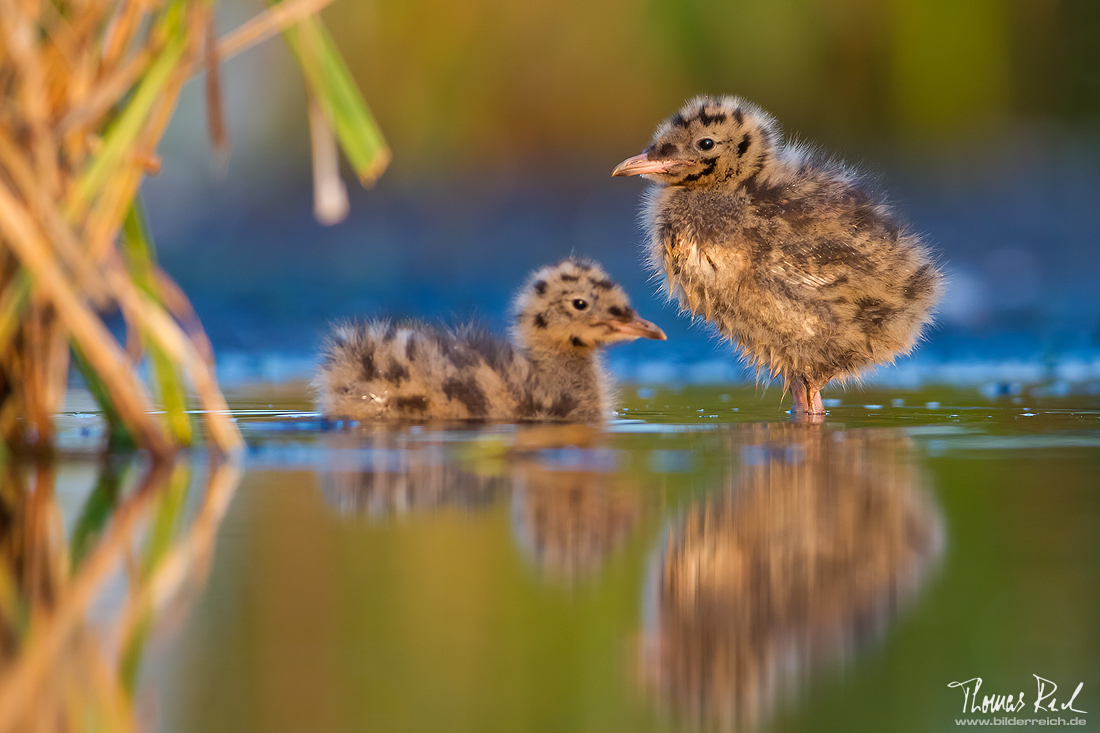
[[817, 407], [808, 406], [801, 397]]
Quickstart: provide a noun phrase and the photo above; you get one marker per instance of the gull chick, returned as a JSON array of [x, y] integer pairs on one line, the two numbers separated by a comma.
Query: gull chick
[[790, 255], [549, 370]]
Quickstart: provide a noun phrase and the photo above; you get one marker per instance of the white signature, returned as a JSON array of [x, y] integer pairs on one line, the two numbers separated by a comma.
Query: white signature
[[1044, 698]]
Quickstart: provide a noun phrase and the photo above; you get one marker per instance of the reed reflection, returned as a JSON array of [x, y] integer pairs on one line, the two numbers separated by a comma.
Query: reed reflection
[[77, 609], [813, 542], [571, 508]]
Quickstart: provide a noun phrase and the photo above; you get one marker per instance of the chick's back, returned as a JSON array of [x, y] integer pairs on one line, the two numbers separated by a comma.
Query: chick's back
[[379, 370]]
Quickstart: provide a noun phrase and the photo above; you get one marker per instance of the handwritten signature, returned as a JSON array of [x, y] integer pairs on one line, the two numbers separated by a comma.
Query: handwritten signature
[[1044, 698]]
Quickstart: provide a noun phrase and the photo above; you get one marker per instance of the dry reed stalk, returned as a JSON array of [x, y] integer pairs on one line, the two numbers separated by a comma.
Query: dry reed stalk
[[215, 116], [90, 87], [330, 195], [152, 320], [44, 568], [106, 689], [99, 101], [175, 300], [130, 397], [267, 24]]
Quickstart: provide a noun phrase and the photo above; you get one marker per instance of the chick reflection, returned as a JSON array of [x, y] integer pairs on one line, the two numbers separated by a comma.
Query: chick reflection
[[808, 549], [395, 474], [570, 509], [569, 522]]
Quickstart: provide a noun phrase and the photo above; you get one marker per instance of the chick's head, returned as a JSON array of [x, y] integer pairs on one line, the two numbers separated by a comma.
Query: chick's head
[[709, 141], [574, 307]]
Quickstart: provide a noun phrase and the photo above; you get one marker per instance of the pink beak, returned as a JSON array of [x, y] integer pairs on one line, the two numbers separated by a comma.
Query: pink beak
[[641, 165], [639, 327]]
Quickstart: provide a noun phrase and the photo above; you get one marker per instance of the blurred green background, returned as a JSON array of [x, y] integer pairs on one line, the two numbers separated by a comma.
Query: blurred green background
[[524, 87]]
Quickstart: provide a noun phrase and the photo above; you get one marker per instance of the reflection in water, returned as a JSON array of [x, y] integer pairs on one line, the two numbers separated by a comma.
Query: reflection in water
[[76, 611], [808, 548], [394, 473], [570, 510], [568, 522]]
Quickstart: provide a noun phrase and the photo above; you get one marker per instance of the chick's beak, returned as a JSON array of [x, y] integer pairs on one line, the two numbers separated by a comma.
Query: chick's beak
[[639, 327], [641, 165]]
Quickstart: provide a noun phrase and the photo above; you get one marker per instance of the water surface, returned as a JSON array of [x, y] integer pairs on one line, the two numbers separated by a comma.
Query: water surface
[[701, 563], [686, 568]]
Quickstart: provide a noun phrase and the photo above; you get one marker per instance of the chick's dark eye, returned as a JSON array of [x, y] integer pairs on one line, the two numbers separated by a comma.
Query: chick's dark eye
[[705, 144], [580, 304]]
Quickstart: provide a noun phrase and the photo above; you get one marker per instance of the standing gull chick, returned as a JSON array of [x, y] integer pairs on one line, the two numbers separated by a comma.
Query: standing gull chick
[[551, 370], [788, 254]]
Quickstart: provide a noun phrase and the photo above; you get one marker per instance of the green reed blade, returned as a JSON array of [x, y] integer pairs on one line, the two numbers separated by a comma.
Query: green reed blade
[[98, 507], [332, 84], [166, 520], [141, 259], [162, 533], [118, 436], [13, 302], [128, 124], [130, 660], [14, 613]]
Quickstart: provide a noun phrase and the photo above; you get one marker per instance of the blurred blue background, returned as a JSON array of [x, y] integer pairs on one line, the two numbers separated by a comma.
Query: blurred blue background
[[982, 120]]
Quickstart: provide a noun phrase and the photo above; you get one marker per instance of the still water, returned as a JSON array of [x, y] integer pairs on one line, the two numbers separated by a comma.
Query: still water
[[687, 568]]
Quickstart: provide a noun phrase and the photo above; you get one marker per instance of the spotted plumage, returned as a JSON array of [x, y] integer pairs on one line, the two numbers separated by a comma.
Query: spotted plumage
[[550, 370], [790, 255]]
